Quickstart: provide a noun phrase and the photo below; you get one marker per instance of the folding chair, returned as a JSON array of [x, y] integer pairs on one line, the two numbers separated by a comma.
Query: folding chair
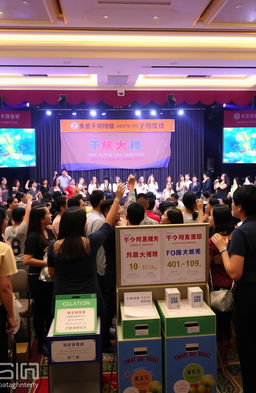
[[20, 285]]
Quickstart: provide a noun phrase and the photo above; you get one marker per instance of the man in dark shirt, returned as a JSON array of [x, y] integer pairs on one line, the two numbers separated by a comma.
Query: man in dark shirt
[[206, 183]]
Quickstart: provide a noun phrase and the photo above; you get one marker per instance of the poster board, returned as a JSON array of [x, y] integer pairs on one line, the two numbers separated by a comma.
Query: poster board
[[75, 314], [159, 255]]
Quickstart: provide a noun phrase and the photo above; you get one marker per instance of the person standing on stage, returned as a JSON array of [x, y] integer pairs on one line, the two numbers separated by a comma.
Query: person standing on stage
[[221, 186], [187, 181], [64, 179], [180, 186], [206, 183], [152, 184], [195, 187]]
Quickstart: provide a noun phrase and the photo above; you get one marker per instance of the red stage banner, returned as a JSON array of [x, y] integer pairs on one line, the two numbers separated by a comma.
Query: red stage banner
[[240, 118], [15, 119]]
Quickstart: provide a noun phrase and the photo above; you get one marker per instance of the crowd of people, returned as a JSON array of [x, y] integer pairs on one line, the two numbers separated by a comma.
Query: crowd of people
[[64, 237]]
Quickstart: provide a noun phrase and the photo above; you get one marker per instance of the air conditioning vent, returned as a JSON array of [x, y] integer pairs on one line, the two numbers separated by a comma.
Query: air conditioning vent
[[35, 75], [117, 80], [198, 76]]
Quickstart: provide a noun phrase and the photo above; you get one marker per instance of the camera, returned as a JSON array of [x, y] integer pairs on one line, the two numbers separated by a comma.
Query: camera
[[120, 92]]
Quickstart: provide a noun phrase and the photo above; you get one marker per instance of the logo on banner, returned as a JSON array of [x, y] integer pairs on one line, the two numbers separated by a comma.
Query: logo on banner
[[237, 116], [74, 125]]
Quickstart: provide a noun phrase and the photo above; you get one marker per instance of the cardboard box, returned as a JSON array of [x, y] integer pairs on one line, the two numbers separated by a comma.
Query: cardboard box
[[172, 297], [139, 364], [195, 296], [144, 327], [187, 320], [190, 362]]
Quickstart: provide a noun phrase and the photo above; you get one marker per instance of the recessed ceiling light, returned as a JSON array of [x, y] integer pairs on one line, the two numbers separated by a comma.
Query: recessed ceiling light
[[105, 16], [1, 13], [156, 17], [26, 2]]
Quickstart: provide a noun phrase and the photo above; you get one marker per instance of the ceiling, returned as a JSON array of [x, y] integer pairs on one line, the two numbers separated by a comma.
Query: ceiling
[[128, 44]]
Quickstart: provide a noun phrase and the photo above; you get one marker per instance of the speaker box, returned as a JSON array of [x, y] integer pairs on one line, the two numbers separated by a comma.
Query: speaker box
[[210, 165], [254, 102]]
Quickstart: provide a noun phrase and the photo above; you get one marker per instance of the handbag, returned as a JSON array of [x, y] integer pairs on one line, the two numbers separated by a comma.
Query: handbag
[[222, 299], [44, 275]]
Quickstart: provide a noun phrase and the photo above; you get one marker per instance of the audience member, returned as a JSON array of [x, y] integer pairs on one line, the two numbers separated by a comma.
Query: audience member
[[222, 222], [239, 263], [7, 316], [35, 256], [16, 233], [172, 216]]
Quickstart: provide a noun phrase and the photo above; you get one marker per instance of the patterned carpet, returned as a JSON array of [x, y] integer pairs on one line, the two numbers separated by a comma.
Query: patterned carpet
[[229, 380]]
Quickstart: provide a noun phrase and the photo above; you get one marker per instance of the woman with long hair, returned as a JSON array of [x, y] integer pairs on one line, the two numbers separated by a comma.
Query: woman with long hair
[[35, 256], [222, 222], [16, 189], [82, 187], [94, 185], [152, 184], [193, 208], [72, 259], [221, 186], [4, 190], [115, 184], [181, 187], [167, 192], [56, 185], [141, 186]]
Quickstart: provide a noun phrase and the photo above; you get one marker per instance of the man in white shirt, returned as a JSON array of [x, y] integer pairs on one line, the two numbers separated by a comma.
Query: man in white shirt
[[64, 179], [16, 233], [187, 181]]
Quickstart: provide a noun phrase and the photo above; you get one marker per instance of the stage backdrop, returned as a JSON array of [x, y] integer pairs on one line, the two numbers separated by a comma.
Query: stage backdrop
[[187, 151], [114, 143]]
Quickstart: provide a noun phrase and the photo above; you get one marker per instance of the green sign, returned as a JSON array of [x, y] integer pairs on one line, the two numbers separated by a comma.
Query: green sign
[[75, 314]]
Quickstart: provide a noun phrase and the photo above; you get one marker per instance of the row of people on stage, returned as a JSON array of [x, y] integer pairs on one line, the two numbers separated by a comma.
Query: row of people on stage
[[68, 186]]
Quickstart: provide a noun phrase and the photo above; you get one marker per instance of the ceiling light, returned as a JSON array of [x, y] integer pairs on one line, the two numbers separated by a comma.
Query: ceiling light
[[48, 113], [27, 104], [93, 113], [105, 17], [1, 13], [156, 17], [224, 105], [137, 112], [153, 112], [103, 114], [180, 112], [74, 113]]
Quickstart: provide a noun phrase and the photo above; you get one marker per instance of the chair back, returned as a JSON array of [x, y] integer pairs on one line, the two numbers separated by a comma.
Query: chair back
[[20, 281]]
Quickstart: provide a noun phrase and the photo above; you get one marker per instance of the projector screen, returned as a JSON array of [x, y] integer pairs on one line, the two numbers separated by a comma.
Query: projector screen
[[17, 147], [239, 145]]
